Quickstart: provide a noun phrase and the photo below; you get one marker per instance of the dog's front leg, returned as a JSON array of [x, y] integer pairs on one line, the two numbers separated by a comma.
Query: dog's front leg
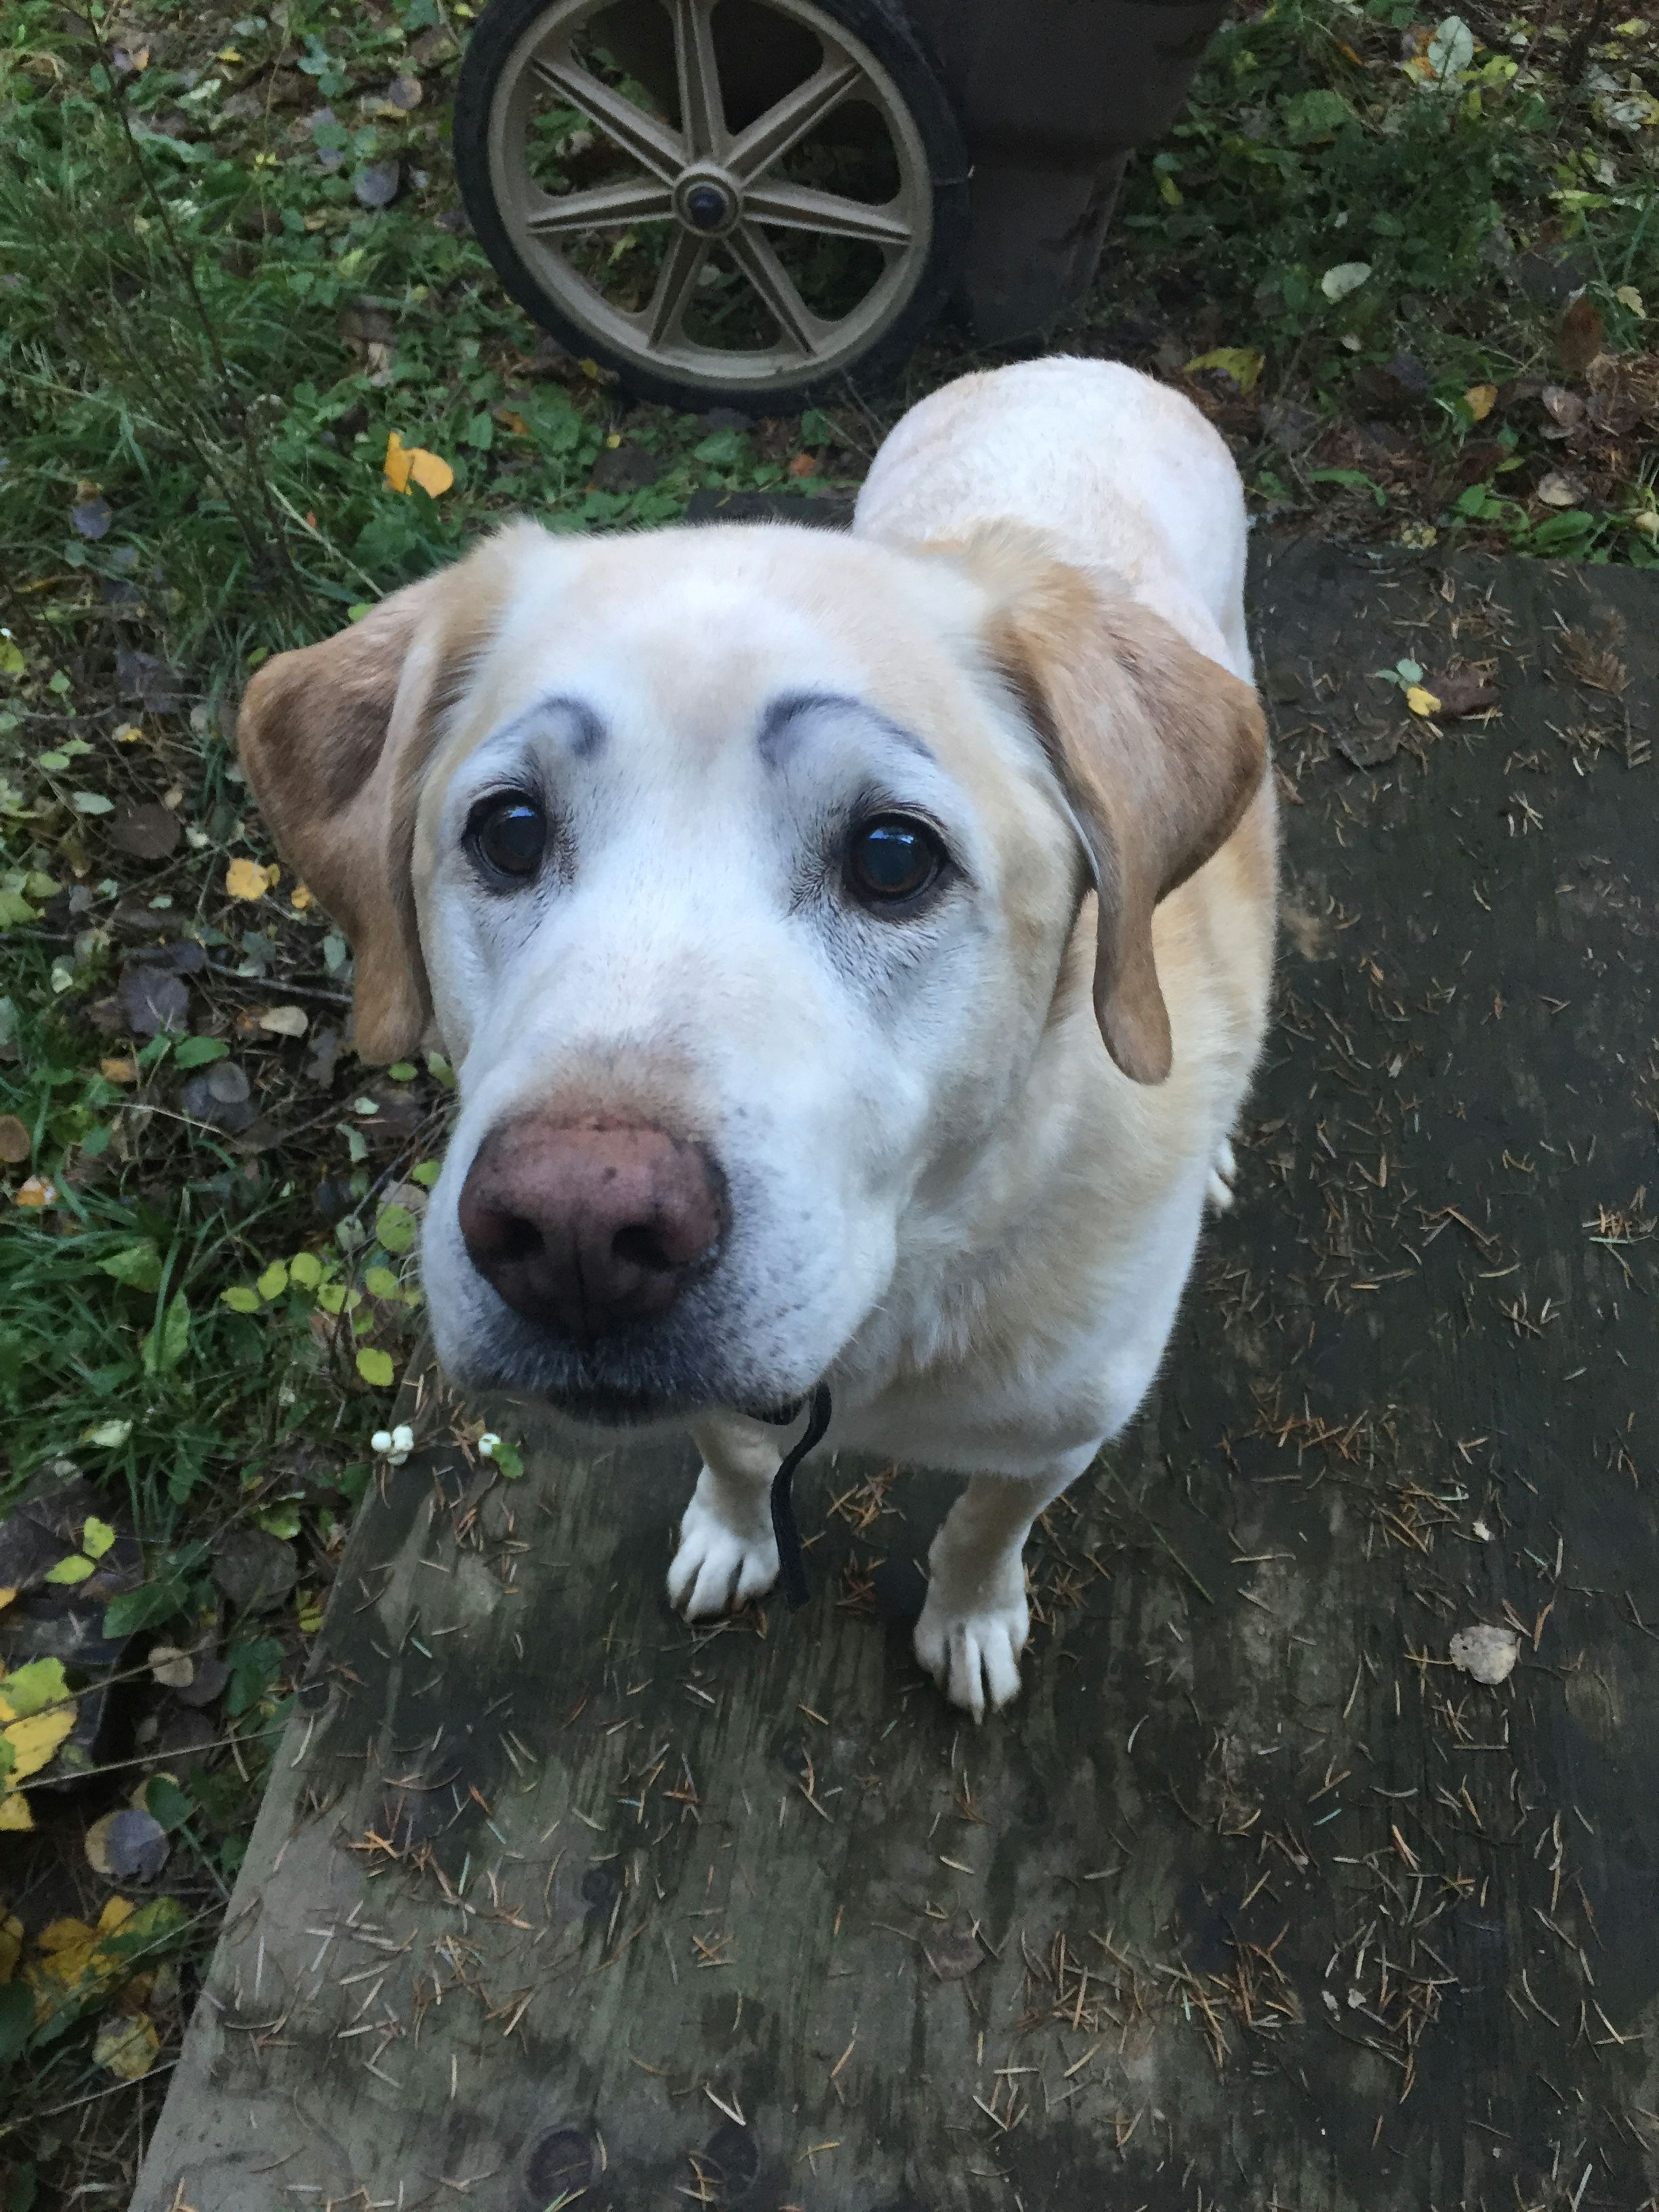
[[726, 1553], [975, 1624]]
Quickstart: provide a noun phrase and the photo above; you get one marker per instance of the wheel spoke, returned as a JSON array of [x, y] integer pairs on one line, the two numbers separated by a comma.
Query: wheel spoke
[[682, 266], [799, 207], [651, 143], [755, 257], [769, 137], [645, 202], [702, 112]]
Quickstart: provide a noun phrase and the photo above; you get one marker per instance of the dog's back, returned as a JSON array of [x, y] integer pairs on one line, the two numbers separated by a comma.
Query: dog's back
[[1120, 471]]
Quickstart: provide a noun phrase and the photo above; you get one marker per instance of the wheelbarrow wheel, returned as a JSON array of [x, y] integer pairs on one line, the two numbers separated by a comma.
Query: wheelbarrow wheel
[[737, 202]]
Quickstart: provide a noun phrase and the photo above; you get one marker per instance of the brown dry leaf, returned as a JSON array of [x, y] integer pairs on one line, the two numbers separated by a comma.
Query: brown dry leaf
[[285, 1021], [1465, 691], [1562, 406], [36, 1192], [1578, 340], [1595, 665], [121, 1070], [15, 1142]]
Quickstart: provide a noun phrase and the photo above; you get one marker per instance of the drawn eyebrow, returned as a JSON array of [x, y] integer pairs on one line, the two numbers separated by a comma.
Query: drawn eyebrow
[[779, 723], [586, 733]]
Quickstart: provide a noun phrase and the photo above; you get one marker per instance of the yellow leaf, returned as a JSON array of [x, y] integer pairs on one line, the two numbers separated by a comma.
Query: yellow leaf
[[1243, 363], [1628, 296], [1421, 702], [274, 1281], [375, 1367], [397, 463], [1481, 399], [35, 1191], [70, 1570], [96, 1537], [7, 1596], [15, 1816], [247, 879], [407, 465], [119, 1070], [128, 2046], [35, 1739], [300, 898], [432, 474]]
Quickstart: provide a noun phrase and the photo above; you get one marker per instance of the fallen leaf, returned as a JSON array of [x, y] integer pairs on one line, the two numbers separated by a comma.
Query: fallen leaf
[[1481, 399], [1420, 701], [407, 465], [404, 93], [91, 518], [35, 1191], [1578, 341], [247, 879], [285, 1021], [1562, 406], [1464, 692], [127, 1845], [173, 1668], [68, 1572], [35, 1738], [118, 1070], [15, 1817], [379, 184], [1488, 1654], [15, 1142], [1556, 489], [1346, 276], [97, 1536], [109, 1436], [128, 2046], [152, 999], [1628, 296], [149, 833], [300, 898], [1243, 363]]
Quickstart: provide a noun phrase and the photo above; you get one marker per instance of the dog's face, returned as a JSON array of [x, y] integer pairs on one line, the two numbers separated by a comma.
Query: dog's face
[[736, 869]]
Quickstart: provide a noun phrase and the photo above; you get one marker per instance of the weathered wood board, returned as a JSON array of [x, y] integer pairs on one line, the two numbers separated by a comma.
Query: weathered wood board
[[1255, 1899]]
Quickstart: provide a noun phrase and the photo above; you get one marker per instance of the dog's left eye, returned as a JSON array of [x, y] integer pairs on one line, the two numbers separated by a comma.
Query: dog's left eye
[[508, 834], [892, 859]]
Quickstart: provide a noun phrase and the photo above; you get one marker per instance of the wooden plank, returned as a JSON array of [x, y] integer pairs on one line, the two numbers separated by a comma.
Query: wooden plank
[[1254, 1898]]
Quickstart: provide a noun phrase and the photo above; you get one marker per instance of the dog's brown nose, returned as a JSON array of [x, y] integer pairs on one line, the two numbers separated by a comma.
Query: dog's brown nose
[[583, 1225]]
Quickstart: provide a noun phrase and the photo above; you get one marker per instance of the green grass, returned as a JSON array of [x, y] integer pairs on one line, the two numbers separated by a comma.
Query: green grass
[[206, 340]]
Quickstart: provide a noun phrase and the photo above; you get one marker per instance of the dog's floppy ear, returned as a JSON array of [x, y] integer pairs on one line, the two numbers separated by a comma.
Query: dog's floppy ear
[[1159, 750], [335, 739]]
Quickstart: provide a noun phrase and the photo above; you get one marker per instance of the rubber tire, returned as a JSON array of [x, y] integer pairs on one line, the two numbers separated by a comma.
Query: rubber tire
[[883, 27]]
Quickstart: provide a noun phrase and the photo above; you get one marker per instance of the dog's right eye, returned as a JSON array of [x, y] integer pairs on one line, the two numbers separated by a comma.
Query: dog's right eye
[[508, 834]]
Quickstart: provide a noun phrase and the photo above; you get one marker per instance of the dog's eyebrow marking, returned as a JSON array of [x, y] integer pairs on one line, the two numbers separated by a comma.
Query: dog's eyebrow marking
[[779, 724], [587, 733]]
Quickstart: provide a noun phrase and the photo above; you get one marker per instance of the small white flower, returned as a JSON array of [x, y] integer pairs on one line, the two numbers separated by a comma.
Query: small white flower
[[487, 1444]]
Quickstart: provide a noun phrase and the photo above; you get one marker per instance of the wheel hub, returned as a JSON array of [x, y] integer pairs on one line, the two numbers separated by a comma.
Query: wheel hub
[[708, 202]]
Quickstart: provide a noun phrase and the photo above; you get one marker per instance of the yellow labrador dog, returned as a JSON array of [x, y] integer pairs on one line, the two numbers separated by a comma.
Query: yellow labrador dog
[[853, 950]]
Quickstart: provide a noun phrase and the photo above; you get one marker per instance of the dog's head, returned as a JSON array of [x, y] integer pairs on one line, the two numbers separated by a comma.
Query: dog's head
[[736, 871]]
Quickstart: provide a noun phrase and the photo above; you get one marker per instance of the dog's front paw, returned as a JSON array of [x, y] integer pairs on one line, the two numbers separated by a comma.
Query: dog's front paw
[[970, 1642], [717, 1567]]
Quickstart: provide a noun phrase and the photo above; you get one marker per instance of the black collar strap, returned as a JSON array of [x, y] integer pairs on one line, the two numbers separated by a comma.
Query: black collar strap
[[791, 1567]]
